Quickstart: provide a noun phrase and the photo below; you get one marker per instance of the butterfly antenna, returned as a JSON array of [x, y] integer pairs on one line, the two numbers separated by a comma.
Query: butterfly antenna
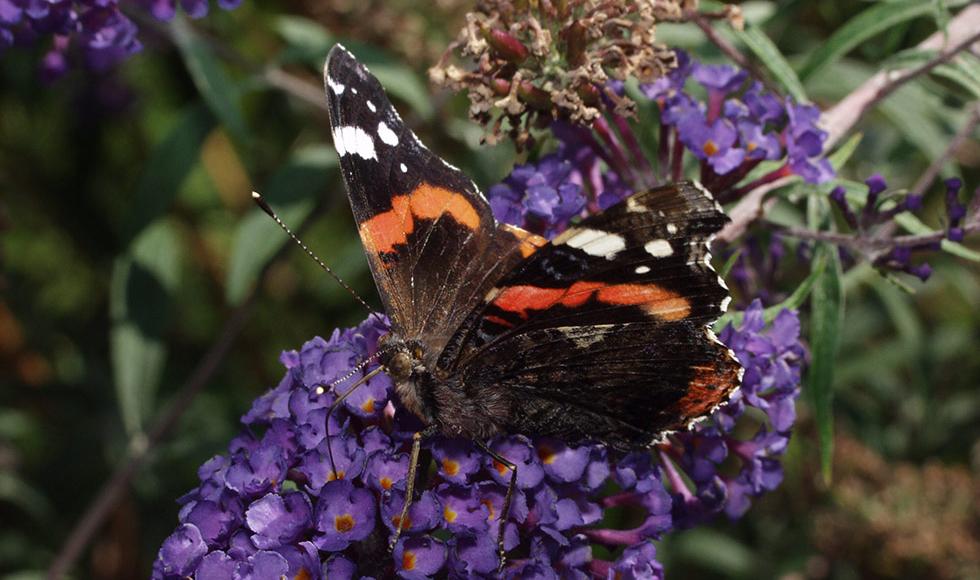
[[260, 201], [340, 399]]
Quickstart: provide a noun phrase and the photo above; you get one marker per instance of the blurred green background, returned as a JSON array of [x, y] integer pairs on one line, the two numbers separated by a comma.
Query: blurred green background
[[129, 241]]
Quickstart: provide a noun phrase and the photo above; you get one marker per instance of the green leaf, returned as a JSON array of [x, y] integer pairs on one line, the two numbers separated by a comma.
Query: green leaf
[[292, 192], [793, 302], [25, 496], [729, 557], [962, 72], [211, 80], [769, 54], [729, 263], [840, 155], [826, 322], [169, 163], [866, 25], [140, 301], [915, 226], [914, 111], [306, 40]]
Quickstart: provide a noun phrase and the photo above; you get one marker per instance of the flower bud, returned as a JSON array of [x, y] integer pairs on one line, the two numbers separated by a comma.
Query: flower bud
[[507, 46]]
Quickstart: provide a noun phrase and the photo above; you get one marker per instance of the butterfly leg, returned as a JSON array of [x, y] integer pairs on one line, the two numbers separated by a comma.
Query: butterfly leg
[[336, 404], [413, 464], [505, 512]]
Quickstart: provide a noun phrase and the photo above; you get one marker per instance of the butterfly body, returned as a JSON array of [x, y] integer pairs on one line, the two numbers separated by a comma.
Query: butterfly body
[[602, 333]]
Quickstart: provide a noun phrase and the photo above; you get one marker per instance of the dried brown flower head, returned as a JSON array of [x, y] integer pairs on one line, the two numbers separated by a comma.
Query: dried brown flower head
[[537, 60], [899, 520]]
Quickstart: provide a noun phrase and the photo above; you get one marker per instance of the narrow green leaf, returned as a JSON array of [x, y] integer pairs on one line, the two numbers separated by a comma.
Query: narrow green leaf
[[729, 557], [211, 80], [915, 112], [793, 302], [25, 496], [292, 191], [140, 300], [840, 155], [764, 48], [169, 163], [826, 322], [866, 25], [306, 40], [729, 263], [916, 227], [959, 73]]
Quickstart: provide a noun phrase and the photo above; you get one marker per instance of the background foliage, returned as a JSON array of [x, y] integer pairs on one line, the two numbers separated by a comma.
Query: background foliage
[[129, 242]]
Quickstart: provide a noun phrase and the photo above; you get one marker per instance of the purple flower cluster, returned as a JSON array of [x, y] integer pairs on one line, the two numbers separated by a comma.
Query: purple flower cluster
[[739, 126], [731, 133], [878, 212], [541, 197], [276, 506], [98, 29]]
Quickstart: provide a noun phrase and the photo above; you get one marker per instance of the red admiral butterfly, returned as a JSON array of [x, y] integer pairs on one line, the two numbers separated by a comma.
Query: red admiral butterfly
[[600, 334]]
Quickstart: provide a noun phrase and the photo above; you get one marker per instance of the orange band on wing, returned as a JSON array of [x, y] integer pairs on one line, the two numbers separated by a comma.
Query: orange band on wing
[[388, 229], [709, 387], [430, 202], [653, 299]]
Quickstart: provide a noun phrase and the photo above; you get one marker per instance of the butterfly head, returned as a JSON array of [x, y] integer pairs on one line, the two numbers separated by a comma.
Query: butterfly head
[[399, 359], [402, 360]]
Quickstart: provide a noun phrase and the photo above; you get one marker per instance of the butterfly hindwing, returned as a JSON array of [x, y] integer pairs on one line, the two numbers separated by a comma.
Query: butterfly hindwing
[[432, 243], [602, 333]]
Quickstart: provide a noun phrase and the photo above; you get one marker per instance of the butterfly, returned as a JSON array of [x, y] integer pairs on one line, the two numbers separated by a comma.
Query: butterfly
[[601, 334]]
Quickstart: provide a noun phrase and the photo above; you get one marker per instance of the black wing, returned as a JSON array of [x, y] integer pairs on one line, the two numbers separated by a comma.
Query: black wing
[[604, 333], [430, 237]]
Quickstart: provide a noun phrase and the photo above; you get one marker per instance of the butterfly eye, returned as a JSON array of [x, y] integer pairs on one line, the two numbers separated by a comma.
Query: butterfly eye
[[418, 352]]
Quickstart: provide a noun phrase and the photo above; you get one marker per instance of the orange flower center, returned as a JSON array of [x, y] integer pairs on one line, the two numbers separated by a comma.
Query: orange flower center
[[344, 523], [450, 467], [368, 406], [710, 148], [385, 483], [334, 476], [500, 467], [303, 574], [546, 454], [408, 560], [408, 521], [489, 505], [449, 514]]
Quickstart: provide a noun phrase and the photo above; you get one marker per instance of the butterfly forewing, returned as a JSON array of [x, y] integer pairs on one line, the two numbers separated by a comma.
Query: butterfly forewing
[[429, 234]]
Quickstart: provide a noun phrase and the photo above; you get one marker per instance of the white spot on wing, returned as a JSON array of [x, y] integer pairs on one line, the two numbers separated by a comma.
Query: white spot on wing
[[403, 167], [597, 243], [336, 87], [350, 140], [372, 107], [387, 135], [642, 269], [671, 229], [707, 194], [353, 90], [659, 248], [634, 206]]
